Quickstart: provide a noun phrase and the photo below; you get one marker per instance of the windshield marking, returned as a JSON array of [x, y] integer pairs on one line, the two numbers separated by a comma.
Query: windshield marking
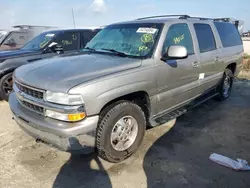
[[146, 30], [147, 38], [131, 39], [177, 40], [50, 35]]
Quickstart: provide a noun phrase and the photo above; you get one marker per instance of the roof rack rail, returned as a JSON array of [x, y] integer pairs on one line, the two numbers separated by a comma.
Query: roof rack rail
[[184, 16], [212, 19], [165, 16], [31, 26]]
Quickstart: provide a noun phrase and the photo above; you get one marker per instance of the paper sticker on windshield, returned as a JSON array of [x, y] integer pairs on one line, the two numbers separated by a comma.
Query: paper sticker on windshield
[[50, 35], [146, 30]]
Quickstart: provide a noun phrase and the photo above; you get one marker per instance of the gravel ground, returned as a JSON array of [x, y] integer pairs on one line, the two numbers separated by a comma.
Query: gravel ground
[[169, 157]]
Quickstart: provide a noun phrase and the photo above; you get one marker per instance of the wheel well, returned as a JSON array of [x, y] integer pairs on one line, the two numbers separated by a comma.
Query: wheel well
[[141, 98], [232, 67], [7, 72]]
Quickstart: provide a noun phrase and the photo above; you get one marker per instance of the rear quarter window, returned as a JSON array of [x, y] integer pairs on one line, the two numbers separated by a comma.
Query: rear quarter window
[[205, 37], [229, 34]]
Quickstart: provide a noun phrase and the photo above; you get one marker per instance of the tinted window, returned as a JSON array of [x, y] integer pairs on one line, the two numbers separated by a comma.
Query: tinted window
[[88, 35], [69, 40], [40, 41], [205, 37], [179, 34], [229, 34]]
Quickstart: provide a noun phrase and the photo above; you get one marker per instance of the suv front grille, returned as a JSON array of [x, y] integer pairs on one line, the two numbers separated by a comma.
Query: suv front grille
[[33, 107], [29, 91]]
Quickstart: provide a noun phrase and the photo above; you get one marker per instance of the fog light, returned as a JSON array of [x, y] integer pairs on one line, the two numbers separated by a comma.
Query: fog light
[[65, 117]]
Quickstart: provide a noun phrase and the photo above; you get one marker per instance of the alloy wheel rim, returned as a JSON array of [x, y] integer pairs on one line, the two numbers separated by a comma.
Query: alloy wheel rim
[[7, 86], [226, 86], [124, 133]]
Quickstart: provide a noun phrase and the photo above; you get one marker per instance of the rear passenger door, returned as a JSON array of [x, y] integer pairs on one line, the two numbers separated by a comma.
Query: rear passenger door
[[208, 56]]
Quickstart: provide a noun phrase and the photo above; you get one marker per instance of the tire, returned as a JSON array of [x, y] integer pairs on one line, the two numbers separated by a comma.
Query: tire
[[106, 146], [223, 92], [6, 86]]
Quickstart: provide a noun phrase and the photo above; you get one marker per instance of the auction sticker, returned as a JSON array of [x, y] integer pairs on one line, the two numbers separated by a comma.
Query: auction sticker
[[146, 30], [50, 35]]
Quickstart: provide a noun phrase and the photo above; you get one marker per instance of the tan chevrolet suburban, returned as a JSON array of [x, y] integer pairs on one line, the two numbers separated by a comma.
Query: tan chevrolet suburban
[[130, 75]]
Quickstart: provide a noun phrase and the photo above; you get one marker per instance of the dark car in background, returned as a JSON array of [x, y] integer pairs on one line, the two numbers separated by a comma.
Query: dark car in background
[[19, 35], [45, 45]]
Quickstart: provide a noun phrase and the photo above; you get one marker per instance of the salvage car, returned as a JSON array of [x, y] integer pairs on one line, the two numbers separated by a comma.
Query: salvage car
[[45, 45], [19, 35], [131, 75]]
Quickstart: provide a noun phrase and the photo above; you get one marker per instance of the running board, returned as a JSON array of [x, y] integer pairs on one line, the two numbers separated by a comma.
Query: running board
[[164, 118]]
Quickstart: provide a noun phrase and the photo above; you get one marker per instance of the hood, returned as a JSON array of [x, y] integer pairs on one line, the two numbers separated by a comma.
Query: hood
[[60, 74], [15, 53]]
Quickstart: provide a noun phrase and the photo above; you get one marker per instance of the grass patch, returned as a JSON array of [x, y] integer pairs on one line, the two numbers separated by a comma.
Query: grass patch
[[246, 64], [246, 56], [245, 73]]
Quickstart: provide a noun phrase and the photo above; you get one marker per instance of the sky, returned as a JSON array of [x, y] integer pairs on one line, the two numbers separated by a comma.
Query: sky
[[94, 13]]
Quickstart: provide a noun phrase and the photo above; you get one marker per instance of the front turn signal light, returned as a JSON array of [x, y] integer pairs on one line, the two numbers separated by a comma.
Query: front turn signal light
[[76, 117]]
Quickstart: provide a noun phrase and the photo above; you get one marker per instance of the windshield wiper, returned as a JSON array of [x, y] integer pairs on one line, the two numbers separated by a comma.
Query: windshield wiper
[[116, 52], [90, 49]]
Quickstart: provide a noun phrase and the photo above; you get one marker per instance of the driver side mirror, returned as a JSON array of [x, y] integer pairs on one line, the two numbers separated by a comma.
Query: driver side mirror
[[56, 48], [174, 53]]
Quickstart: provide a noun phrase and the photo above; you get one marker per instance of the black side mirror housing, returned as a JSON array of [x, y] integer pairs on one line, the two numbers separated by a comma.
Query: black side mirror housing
[[56, 48]]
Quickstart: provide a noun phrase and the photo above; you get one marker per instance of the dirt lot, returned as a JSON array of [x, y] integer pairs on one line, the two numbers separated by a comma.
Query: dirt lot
[[175, 158]]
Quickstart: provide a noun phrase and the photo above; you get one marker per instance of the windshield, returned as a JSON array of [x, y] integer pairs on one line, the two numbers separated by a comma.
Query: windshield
[[40, 41], [137, 39], [2, 35]]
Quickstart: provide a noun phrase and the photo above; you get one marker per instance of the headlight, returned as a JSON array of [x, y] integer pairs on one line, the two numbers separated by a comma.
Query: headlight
[[63, 98], [65, 117]]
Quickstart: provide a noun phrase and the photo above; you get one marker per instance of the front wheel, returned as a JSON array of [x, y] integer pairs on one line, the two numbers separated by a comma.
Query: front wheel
[[120, 131], [225, 87], [6, 84]]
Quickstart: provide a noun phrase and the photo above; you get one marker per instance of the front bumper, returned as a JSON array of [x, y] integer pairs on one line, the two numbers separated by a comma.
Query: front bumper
[[79, 136]]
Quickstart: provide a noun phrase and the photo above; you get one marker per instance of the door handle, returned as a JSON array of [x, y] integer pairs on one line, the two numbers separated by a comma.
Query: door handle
[[195, 64]]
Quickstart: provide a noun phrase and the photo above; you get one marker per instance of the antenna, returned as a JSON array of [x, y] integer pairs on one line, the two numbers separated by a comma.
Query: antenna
[[73, 17]]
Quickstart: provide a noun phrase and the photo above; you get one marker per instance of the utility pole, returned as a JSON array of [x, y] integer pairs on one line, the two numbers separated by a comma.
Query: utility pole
[[73, 17]]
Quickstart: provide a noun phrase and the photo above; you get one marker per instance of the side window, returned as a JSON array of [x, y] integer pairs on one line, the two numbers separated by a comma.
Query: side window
[[16, 38], [179, 34], [69, 40], [205, 37], [229, 34], [88, 35]]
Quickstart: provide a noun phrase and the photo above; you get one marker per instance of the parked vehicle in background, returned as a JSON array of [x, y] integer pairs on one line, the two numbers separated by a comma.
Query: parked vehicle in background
[[45, 45], [131, 75], [20, 35]]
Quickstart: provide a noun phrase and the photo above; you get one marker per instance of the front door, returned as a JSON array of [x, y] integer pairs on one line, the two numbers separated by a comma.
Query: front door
[[69, 40], [177, 79]]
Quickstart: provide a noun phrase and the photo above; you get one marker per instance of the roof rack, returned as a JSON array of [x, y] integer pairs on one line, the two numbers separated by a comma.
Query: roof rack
[[31, 26], [189, 17], [165, 16]]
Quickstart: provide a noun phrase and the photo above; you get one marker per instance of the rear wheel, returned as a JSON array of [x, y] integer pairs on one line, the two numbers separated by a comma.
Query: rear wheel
[[120, 131], [6, 84], [225, 86]]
